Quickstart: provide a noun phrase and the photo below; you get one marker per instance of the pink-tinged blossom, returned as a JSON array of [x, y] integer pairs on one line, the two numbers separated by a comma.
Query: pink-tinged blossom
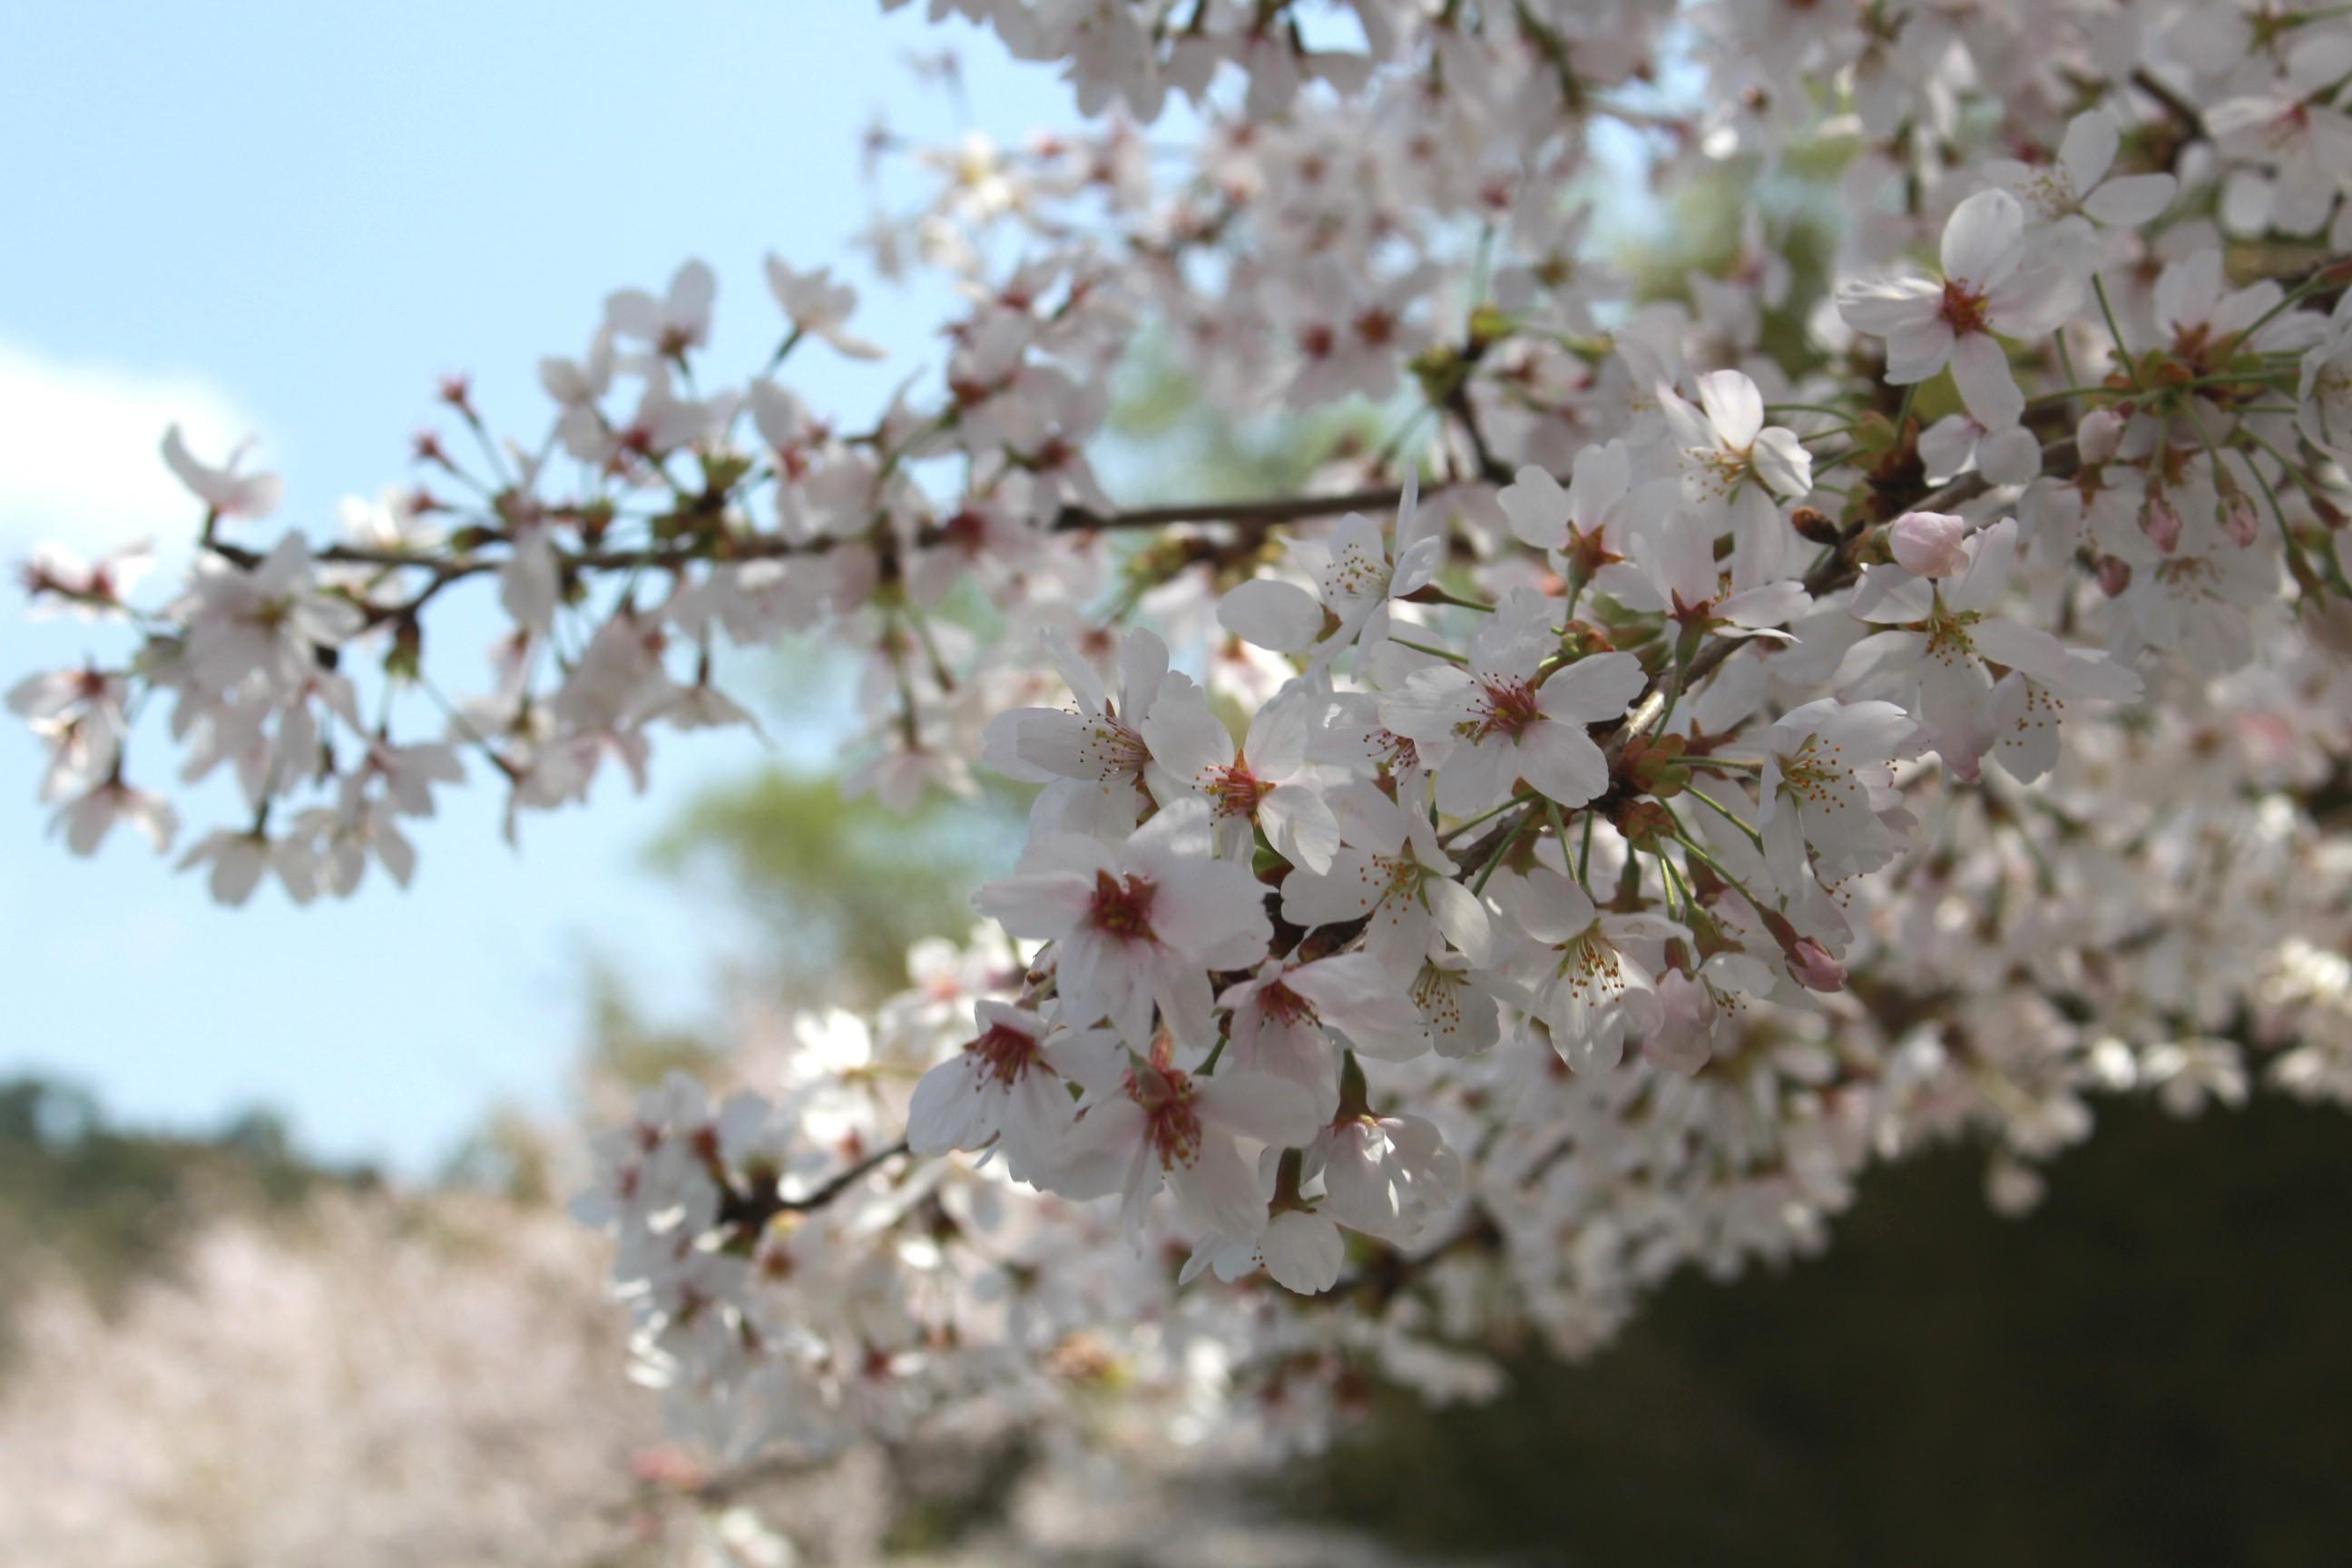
[[267, 621], [1385, 1175], [2078, 188], [1263, 785], [1590, 972], [1504, 718], [55, 577], [672, 324], [1927, 543], [1355, 580], [1674, 572], [1702, 1014], [1140, 924], [1932, 660], [224, 492], [1300, 1249], [1828, 787], [2291, 143], [1284, 1017], [819, 306], [1724, 443], [1097, 755], [1987, 289], [1160, 1125], [84, 821], [1391, 869], [1002, 1090]]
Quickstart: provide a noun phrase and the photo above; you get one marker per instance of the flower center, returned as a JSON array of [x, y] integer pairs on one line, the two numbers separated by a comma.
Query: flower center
[[1171, 1123], [1502, 707], [1966, 308], [1591, 964], [1112, 749], [1355, 574], [1949, 643], [1280, 1004], [1121, 907], [1235, 791], [1006, 1052], [1813, 774], [1437, 992]]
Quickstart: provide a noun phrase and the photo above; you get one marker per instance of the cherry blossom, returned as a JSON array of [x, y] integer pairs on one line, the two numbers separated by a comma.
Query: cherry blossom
[[1137, 927], [1987, 289], [1543, 845]]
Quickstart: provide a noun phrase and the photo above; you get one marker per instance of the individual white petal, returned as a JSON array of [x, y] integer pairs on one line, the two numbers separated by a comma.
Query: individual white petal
[[1597, 687], [1982, 240], [1980, 370], [2133, 200], [1537, 508], [2089, 149], [1563, 763], [1461, 917], [1733, 406], [1303, 1252], [1273, 614]]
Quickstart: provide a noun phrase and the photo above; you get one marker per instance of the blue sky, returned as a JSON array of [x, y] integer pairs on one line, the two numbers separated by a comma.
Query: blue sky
[[287, 220]]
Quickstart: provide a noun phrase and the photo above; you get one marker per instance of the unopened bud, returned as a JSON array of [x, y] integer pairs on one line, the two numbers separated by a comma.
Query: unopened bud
[[2160, 520], [1815, 526], [1927, 543], [2236, 515], [2114, 575], [2098, 435], [1811, 966]]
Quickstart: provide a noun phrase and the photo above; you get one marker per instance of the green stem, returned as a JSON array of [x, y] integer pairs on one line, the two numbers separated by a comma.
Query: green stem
[[1434, 652], [2122, 354], [1724, 812], [1495, 861]]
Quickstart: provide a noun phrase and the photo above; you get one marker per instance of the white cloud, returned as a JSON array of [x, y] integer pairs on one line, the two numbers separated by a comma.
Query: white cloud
[[78, 461]]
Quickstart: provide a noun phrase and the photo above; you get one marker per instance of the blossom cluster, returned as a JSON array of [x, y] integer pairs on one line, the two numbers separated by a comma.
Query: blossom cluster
[[1721, 738]]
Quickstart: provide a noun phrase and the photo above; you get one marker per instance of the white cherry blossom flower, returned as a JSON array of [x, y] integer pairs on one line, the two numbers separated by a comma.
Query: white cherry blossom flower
[[819, 306], [1591, 974], [1391, 869], [1987, 289], [675, 323], [224, 491], [1505, 717], [1263, 785], [1003, 1090], [1162, 1125], [1282, 1018], [1140, 924]]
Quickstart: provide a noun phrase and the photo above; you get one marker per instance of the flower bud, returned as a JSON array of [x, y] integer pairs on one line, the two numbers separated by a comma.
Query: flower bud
[[2114, 575], [2098, 435], [1811, 966], [1815, 526], [1927, 543], [2236, 515], [2160, 520]]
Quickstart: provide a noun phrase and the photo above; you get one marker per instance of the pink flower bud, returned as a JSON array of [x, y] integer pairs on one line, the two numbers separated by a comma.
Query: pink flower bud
[[2114, 575], [1810, 966], [1927, 543], [2238, 520], [2098, 435], [2160, 520]]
